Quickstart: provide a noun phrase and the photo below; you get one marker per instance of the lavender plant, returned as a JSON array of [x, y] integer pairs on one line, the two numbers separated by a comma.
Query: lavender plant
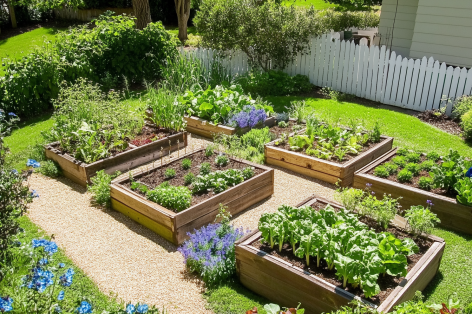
[[210, 250], [248, 117]]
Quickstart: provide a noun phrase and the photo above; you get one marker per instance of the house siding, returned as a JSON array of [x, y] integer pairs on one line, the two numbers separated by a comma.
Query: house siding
[[405, 21], [443, 30]]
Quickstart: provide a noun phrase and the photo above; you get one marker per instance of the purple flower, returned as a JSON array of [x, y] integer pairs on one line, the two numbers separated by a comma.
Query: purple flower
[[11, 114], [248, 117], [373, 193], [66, 279], [429, 202], [368, 185], [34, 194]]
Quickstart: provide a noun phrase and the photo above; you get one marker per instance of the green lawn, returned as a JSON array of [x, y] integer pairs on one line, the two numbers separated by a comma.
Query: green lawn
[[407, 130], [318, 4]]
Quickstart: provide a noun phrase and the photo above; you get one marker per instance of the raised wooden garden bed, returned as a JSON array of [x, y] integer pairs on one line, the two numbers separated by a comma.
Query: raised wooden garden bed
[[328, 171], [453, 215], [81, 172], [174, 226], [286, 284]]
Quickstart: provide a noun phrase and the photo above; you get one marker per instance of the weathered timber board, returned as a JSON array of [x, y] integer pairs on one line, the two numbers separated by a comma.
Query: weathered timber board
[[162, 220], [324, 170], [81, 172], [453, 215], [281, 282], [206, 129]]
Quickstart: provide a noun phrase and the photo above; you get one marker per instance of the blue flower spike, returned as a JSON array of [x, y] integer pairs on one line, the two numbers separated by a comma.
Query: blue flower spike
[[6, 304], [130, 309], [62, 265], [12, 114], [33, 163], [60, 297], [85, 308], [142, 308]]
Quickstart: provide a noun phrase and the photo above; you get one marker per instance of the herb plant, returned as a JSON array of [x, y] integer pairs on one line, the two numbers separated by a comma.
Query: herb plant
[[413, 168], [169, 173], [282, 124], [381, 171], [50, 168], [400, 161], [100, 187], [205, 168], [186, 164], [413, 157], [209, 150], [248, 117], [452, 169], [166, 112], [427, 165], [463, 188], [403, 152], [189, 178], [421, 220], [221, 160], [433, 156], [219, 180]]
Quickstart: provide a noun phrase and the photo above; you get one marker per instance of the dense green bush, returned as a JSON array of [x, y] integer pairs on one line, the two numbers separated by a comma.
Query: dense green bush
[[467, 124], [271, 34], [274, 83], [462, 106], [110, 47]]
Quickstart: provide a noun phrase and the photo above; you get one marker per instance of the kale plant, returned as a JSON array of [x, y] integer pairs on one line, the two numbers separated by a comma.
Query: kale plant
[[177, 198], [452, 169]]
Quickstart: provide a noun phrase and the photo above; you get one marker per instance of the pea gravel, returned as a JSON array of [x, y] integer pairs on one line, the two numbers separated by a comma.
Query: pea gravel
[[127, 259]]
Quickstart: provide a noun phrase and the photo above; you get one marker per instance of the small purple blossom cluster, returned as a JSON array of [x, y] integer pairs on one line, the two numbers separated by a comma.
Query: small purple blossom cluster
[[210, 252], [248, 117], [430, 203]]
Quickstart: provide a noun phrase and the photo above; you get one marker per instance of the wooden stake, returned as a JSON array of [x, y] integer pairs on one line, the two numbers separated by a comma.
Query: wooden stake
[[169, 149], [161, 154], [178, 148]]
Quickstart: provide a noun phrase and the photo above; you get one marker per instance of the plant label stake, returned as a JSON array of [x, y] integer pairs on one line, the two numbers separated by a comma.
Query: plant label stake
[[178, 148]]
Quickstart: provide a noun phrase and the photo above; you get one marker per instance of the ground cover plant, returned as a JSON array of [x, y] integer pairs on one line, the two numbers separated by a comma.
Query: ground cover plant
[[449, 176], [206, 173], [331, 142], [358, 254]]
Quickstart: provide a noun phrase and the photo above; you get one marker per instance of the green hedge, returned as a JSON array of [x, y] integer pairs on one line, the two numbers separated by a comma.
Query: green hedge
[[113, 48]]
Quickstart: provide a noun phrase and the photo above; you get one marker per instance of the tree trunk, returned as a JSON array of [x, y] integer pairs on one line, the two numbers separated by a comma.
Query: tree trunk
[[11, 9], [182, 7], [142, 12]]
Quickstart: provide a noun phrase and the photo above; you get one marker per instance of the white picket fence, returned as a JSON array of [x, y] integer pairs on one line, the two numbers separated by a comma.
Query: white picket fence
[[373, 73]]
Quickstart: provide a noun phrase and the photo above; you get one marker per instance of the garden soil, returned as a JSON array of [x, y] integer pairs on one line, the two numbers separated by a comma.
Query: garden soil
[[129, 260]]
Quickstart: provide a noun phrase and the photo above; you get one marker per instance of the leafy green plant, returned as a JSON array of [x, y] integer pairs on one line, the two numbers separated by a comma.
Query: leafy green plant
[[375, 135], [336, 95], [177, 198], [137, 186], [452, 169], [434, 156], [413, 157], [425, 183], [413, 168], [298, 111], [391, 167], [381, 171], [50, 168], [463, 188], [219, 180], [404, 176], [421, 220], [219, 104], [189, 178], [209, 150], [349, 198], [403, 151], [400, 161], [91, 125], [186, 164], [248, 173], [466, 124], [221, 160], [382, 211], [427, 165], [205, 168], [169, 173], [461, 106], [358, 254], [100, 187], [282, 124]]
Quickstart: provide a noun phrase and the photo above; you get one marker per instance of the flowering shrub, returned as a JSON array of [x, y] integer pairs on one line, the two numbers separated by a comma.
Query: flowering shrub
[[210, 252], [249, 117]]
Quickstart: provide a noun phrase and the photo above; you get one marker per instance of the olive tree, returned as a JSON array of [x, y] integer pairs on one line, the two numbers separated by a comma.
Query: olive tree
[[269, 33]]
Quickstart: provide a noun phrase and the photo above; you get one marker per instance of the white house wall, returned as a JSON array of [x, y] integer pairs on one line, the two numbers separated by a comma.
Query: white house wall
[[404, 25], [443, 30]]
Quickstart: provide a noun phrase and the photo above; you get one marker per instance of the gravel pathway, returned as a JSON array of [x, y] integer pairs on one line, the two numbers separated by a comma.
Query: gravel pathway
[[125, 258]]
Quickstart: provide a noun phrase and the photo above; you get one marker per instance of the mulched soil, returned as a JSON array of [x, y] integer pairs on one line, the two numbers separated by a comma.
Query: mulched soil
[[156, 177], [148, 135], [347, 157], [415, 180], [278, 131], [387, 283], [441, 121]]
